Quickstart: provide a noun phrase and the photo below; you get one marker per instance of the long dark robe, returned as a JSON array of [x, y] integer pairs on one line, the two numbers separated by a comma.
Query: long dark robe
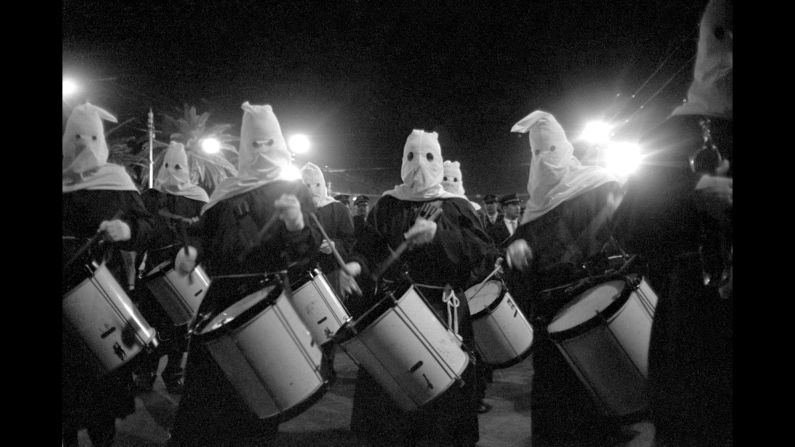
[[690, 353], [88, 400], [211, 413], [562, 240], [167, 239], [461, 254]]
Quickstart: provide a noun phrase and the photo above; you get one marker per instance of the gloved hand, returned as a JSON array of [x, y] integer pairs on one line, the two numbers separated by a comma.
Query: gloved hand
[[185, 262], [421, 232], [714, 195], [519, 254], [347, 283], [325, 247], [115, 230], [290, 212]]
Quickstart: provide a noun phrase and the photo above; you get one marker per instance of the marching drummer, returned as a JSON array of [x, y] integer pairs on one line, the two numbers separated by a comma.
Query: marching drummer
[[336, 220], [100, 203], [254, 223], [176, 203], [565, 223], [446, 247]]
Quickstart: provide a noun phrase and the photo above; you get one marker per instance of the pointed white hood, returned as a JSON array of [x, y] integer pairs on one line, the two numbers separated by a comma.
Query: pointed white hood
[[316, 182], [174, 176], [556, 175], [422, 169], [85, 153], [262, 154]]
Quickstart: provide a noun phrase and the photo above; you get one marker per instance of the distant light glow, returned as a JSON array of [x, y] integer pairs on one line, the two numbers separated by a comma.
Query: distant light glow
[[596, 132], [622, 158], [299, 143], [211, 145], [69, 88], [290, 173]]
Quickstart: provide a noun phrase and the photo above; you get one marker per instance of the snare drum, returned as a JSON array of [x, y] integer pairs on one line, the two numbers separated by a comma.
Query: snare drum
[[266, 352], [319, 307], [403, 344], [178, 293], [502, 334], [105, 320], [604, 335]]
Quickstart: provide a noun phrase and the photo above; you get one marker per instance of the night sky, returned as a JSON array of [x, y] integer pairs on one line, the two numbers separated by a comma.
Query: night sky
[[358, 76]]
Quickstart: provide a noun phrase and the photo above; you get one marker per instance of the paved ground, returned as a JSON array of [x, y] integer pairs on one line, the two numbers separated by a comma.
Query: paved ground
[[326, 422]]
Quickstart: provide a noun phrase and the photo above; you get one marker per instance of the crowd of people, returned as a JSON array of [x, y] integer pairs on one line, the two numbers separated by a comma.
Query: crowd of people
[[259, 228]]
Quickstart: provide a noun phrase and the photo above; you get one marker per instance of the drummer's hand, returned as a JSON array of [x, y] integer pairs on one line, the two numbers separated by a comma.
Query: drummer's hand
[[421, 232], [347, 283], [185, 262], [115, 230], [290, 212], [519, 254], [325, 247]]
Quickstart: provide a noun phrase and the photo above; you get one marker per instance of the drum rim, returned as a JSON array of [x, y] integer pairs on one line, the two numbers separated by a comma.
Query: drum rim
[[596, 320], [242, 319], [518, 359], [350, 329], [488, 310], [300, 407]]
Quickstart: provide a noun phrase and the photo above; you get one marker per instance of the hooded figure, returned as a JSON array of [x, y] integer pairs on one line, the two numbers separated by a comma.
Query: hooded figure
[[677, 216], [556, 175], [422, 170], [85, 153], [174, 176], [255, 223], [316, 182], [453, 181], [453, 251], [98, 199], [262, 154]]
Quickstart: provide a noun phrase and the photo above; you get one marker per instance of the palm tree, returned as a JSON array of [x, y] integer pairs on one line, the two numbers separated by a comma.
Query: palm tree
[[206, 170]]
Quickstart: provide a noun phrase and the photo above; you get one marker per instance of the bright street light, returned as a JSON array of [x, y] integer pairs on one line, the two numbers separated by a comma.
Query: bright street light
[[597, 132], [69, 88], [211, 145], [299, 143], [622, 158]]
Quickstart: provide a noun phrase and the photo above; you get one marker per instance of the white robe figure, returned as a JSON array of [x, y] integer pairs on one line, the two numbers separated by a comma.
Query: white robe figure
[[453, 180], [174, 176]]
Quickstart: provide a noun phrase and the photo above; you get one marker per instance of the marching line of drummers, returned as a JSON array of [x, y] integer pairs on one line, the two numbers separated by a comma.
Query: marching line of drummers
[[269, 343]]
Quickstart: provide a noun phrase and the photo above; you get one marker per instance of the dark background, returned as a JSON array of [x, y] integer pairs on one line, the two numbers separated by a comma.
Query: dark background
[[358, 76]]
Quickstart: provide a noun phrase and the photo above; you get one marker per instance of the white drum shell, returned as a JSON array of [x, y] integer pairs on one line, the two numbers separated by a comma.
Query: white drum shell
[[180, 294], [102, 314], [271, 360], [409, 352], [319, 307], [502, 334], [611, 358]]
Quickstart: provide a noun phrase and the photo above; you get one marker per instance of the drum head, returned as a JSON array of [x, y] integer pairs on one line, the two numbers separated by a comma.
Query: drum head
[[240, 312], [587, 305], [488, 294]]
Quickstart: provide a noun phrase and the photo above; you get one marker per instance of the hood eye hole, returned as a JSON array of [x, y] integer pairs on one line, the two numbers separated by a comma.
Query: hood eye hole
[[455, 179], [77, 136], [259, 144], [177, 167], [94, 137], [551, 148], [429, 156], [166, 165], [410, 156], [445, 179]]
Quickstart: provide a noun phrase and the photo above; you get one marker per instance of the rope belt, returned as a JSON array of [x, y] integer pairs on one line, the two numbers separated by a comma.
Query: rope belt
[[451, 300]]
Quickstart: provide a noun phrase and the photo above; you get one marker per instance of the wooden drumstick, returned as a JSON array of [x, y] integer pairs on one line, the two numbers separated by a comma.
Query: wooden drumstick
[[336, 253], [89, 243]]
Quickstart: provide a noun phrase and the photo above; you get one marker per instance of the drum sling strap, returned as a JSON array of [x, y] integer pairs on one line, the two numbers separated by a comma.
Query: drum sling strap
[[451, 300]]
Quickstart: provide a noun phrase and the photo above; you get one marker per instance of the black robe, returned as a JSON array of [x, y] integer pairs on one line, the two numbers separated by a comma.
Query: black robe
[[562, 240], [461, 254], [168, 238], [211, 413], [690, 353], [88, 400]]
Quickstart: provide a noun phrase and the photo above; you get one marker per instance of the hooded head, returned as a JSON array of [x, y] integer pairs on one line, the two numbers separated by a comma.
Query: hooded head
[[314, 180], [263, 152], [555, 173], [422, 161], [84, 146], [452, 180], [174, 173], [711, 90]]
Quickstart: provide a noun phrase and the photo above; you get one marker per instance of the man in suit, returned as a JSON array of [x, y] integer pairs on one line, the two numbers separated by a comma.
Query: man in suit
[[505, 225], [491, 212]]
